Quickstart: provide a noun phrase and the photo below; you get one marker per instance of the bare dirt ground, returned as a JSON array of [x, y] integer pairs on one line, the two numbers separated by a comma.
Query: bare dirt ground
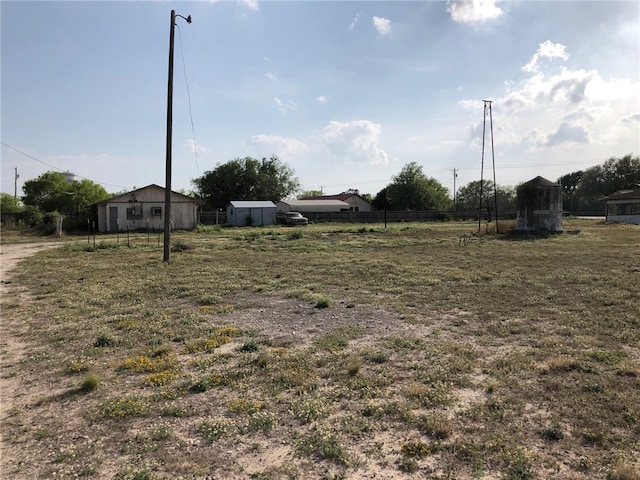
[[11, 348]]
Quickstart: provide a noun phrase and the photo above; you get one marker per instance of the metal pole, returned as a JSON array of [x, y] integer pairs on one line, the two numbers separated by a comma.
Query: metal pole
[[484, 124], [167, 191], [15, 187], [493, 156]]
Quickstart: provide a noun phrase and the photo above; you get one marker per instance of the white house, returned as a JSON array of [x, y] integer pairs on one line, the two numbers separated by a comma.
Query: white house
[[623, 206], [312, 206], [241, 213], [144, 208]]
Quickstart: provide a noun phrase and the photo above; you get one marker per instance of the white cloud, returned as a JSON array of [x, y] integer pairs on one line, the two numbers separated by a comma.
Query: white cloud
[[278, 102], [321, 99], [567, 133], [355, 142], [293, 105], [631, 119], [383, 25], [271, 76], [280, 146], [546, 50], [355, 20], [250, 5], [473, 11]]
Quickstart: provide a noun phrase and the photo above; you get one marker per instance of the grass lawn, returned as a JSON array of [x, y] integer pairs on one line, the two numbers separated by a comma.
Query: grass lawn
[[327, 352]]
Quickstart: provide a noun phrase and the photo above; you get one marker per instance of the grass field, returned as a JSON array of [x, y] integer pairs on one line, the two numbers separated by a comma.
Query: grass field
[[327, 352]]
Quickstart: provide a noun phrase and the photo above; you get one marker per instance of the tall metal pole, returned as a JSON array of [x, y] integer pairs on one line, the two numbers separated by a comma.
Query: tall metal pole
[[167, 191], [495, 185], [484, 124], [167, 188], [15, 186]]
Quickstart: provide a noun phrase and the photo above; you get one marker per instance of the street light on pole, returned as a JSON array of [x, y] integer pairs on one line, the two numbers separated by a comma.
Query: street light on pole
[[167, 191]]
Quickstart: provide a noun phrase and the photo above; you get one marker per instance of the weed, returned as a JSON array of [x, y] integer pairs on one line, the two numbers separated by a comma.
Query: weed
[[552, 433], [435, 427], [104, 339], [242, 405], [415, 449], [324, 445], [212, 430], [308, 410], [160, 433], [89, 384], [123, 407]]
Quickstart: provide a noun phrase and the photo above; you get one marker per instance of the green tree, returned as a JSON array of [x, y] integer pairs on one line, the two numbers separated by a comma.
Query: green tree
[[310, 193], [51, 192], [9, 203], [411, 189], [602, 180], [569, 184], [469, 197], [246, 179]]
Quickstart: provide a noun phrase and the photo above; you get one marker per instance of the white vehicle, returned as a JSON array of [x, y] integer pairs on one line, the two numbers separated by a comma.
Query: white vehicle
[[294, 218]]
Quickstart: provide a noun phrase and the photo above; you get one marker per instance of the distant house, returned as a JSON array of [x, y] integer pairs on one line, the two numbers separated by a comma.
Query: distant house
[[242, 213], [144, 208], [623, 206], [355, 201], [312, 206]]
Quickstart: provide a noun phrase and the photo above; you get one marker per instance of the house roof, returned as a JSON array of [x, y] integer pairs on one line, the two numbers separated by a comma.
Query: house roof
[[252, 204], [311, 203], [625, 195], [137, 190], [341, 196]]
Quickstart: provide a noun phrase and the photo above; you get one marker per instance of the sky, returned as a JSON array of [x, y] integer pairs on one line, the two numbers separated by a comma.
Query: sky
[[345, 93]]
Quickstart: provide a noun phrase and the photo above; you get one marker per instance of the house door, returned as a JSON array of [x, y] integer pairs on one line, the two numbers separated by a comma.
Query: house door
[[113, 219]]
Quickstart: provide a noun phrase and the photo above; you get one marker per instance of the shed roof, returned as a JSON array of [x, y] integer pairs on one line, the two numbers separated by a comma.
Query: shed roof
[[625, 195], [540, 182], [252, 204]]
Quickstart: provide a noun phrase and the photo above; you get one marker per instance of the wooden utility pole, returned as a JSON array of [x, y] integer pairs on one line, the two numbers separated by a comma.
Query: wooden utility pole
[[167, 191], [15, 186], [455, 176]]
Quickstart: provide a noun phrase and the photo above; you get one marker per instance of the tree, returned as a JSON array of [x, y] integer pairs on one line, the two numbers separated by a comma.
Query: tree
[[310, 193], [51, 192], [569, 184], [9, 203], [602, 180], [246, 179], [469, 197], [411, 189]]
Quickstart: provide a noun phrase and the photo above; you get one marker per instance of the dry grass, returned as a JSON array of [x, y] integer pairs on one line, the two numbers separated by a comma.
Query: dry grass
[[339, 352]]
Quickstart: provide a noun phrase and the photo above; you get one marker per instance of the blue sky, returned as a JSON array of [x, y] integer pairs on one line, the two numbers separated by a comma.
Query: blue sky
[[346, 93]]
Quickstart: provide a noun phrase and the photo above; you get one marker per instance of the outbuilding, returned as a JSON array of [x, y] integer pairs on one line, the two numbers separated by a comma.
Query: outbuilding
[[143, 208], [243, 213], [623, 206], [351, 197], [539, 206]]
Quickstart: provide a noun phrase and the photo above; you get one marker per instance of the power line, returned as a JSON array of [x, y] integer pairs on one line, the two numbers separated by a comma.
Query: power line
[[193, 131], [55, 167]]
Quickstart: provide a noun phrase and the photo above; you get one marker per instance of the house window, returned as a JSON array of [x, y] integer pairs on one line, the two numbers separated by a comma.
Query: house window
[[156, 211], [134, 213]]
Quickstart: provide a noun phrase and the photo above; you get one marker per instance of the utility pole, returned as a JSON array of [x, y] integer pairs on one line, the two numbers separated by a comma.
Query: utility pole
[[455, 176], [15, 186], [167, 191]]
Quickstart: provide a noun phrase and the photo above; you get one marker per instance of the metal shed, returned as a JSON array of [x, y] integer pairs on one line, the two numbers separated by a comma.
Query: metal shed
[[539, 206], [242, 213]]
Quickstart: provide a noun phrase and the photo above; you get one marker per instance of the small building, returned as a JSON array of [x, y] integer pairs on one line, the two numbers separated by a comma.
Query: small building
[[312, 206], [539, 206], [355, 201], [243, 213], [144, 208], [623, 206]]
